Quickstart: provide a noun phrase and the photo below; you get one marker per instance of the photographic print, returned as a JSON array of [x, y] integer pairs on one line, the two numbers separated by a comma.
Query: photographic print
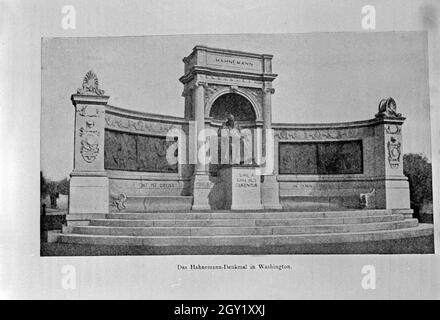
[[222, 149], [315, 143]]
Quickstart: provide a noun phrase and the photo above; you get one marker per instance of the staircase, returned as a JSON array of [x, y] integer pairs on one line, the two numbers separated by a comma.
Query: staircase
[[226, 232]]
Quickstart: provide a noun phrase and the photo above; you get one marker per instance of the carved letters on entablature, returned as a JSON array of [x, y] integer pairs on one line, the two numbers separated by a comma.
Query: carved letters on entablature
[[229, 81], [324, 134], [137, 126]]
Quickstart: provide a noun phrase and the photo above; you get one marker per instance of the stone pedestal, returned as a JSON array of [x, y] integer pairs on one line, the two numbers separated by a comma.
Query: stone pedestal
[[88, 197], [89, 191], [201, 190], [392, 183], [241, 187], [270, 193]]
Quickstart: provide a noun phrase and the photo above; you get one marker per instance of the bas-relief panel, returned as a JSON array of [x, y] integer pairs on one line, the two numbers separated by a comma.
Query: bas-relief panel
[[137, 125], [341, 157], [134, 152], [323, 134]]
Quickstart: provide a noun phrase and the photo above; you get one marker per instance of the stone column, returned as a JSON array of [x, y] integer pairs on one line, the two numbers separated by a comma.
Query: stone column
[[267, 107], [201, 183], [392, 190], [199, 110], [270, 193], [89, 195]]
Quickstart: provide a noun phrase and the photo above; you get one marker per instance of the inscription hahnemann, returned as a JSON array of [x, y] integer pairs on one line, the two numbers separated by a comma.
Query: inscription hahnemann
[[234, 61]]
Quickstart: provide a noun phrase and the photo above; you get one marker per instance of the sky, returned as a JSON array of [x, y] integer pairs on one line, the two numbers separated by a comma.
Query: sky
[[322, 77]]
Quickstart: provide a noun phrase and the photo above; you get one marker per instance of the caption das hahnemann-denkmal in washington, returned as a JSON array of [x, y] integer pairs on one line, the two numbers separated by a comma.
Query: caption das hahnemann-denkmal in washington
[[256, 266]]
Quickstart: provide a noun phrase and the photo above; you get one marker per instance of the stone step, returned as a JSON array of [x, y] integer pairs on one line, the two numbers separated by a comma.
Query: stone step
[[249, 241], [246, 215], [268, 230], [249, 222]]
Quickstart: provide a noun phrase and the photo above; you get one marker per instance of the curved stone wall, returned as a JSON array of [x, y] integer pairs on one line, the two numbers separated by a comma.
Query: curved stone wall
[[122, 157], [320, 166], [135, 155], [381, 173]]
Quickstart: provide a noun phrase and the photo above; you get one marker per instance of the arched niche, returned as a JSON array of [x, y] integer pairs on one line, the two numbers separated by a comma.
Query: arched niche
[[235, 104], [248, 101]]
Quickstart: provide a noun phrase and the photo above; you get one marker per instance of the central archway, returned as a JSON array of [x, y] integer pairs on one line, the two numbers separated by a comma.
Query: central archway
[[235, 104]]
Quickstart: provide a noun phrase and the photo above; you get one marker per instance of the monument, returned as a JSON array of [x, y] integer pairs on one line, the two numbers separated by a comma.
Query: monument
[[237, 171], [218, 82], [121, 159], [164, 182]]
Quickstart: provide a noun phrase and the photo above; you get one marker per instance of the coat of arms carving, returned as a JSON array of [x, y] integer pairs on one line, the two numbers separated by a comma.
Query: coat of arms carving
[[89, 148], [394, 153]]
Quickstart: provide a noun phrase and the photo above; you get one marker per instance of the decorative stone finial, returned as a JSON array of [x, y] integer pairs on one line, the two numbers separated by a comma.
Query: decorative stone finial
[[90, 85], [388, 108]]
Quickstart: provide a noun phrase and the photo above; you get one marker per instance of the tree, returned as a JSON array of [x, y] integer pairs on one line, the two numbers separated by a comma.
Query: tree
[[43, 187], [63, 186], [53, 189], [419, 172]]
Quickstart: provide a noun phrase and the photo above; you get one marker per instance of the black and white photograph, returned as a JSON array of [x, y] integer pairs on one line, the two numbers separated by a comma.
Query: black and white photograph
[[220, 149], [312, 143]]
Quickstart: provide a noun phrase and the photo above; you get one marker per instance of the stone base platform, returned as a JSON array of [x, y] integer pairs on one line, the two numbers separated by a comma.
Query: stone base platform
[[413, 245], [299, 203], [246, 232]]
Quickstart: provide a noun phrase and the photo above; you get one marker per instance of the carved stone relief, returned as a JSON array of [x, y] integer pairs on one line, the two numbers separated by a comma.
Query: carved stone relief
[[89, 147], [323, 134], [228, 80], [388, 108], [135, 152], [119, 201], [393, 129], [149, 127], [88, 111], [212, 89], [257, 94], [90, 85], [338, 157], [394, 152]]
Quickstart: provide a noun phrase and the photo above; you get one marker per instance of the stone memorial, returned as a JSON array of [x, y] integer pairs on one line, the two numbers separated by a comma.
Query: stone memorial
[[122, 157], [160, 175]]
